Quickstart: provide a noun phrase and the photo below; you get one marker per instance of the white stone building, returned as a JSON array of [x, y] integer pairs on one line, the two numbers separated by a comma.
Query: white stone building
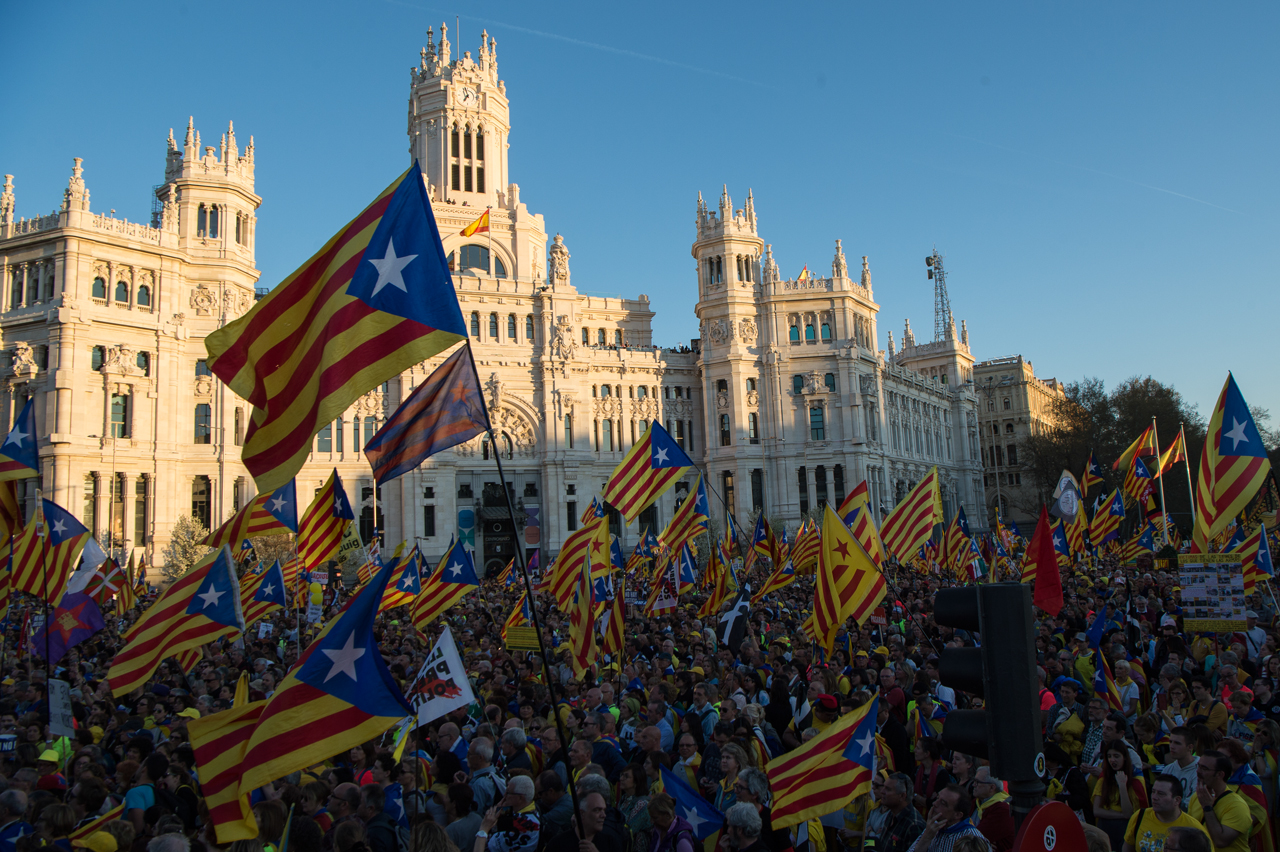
[[785, 398]]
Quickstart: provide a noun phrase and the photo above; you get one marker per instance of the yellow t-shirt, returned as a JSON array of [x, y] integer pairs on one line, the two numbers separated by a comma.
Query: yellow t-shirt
[[1150, 835], [1233, 812]]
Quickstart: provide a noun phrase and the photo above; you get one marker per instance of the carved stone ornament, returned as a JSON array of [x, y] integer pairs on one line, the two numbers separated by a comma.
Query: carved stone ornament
[[24, 362], [722, 399], [646, 408], [494, 389], [121, 360], [204, 300], [370, 405], [720, 332], [747, 331], [511, 423], [204, 386], [867, 384], [753, 398], [679, 407], [562, 345], [609, 406]]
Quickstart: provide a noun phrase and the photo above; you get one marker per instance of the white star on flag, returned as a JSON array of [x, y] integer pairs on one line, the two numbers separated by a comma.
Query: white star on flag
[[867, 742], [344, 659], [1236, 434], [389, 268], [662, 455], [691, 815], [278, 503], [269, 589], [455, 569], [210, 597], [16, 436], [59, 526]]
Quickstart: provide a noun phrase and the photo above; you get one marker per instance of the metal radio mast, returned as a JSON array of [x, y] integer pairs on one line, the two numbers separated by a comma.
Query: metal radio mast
[[943, 325]]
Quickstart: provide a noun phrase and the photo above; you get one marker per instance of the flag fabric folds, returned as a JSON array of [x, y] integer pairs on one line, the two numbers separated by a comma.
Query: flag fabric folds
[[648, 469], [219, 742], [582, 622], [323, 524], [273, 513], [405, 583], [828, 771], [849, 585], [1104, 683], [479, 226], [442, 412], [1041, 563], [1137, 482], [702, 816], [19, 455], [1092, 474], [584, 542], [912, 520], [1177, 452], [521, 615], [689, 521], [105, 582], [1233, 465], [615, 630], [1144, 446], [718, 570], [264, 594], [338, 695], [202, 605], [807, 549], [375, 300], [74, 620], [1105, 526], [858, 517], [453, 578]]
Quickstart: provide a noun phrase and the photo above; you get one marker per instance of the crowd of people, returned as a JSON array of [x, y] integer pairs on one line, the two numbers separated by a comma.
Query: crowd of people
[[1186, 763]]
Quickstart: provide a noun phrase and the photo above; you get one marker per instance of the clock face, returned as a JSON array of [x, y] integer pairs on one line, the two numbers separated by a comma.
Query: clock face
[[466, 96]]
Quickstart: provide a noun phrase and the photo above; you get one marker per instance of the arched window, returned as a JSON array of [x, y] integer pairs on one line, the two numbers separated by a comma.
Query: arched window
[[511, 326], [600, 338], [808, 332], [586, 336], [200, 493], [202, 368], [1007, 404], [144, 363], [454, 151], [99, 288], [202, 225], [97, 357], [826, 331], [499, 269], [204, 424], [493, 326], [606, 390], [528, 328], [33, 285], [829, 379], [475, 324], [722, 385], [795, 334], [370, 429], [144, 296], [476, 257], [122, 292], [617, 337]]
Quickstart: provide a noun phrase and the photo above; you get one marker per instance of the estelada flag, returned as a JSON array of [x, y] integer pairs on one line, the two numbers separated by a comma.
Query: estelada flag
[[375, 300], [649, 468], [273, 513], [19, 457], [479, 226], [1233, 465]]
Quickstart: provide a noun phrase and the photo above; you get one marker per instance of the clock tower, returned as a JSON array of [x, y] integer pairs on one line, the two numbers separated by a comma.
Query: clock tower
[[459, 120]]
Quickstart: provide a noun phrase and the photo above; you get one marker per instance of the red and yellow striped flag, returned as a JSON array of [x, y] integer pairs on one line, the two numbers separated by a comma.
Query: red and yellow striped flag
[[828, 771], [375, 300], [219, 742], [1145, 445], [582, 622], [1177, 452], [479, 226], [807, 549], [590, 540], [911, 521], [1233, 465], [615, 630], [453, 578], [689, 521], [648, 469], [322, 525], [849, 584], [98, 824]]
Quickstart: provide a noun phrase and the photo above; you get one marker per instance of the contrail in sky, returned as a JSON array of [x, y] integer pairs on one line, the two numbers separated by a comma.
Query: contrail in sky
[[1097, 172], [594, 46]]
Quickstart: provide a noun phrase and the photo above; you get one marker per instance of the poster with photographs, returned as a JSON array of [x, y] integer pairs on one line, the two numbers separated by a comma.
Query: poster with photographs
[[1213, 597]]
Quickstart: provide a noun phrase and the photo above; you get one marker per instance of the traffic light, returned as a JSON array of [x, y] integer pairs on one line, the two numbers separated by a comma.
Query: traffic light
[[1002, 670]]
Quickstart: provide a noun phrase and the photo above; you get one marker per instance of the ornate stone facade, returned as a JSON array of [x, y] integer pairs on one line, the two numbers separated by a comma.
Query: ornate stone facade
[[104, 321]]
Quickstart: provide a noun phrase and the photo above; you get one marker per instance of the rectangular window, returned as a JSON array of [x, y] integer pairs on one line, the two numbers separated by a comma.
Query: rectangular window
[[479, 178], [337, 435], [595, 437], [370, 427], [817, 429], [455, 170], [802, 480], [729, 501], [466, 178], [528, 329], [324, 439], [725, 431], [608, 435], [999, 456], [120, 415], [466, 145], [757, 490], [204, 423], [202, 368], [838, 477], [820, 485], [680, 434], [571, 512], [753, 427], [511, 326], [428, 521], [1013, 455], [568, 431], [140, 511], [797, 384], [240, 427]]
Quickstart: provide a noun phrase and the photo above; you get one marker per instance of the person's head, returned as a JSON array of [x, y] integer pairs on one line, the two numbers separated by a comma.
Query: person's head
[[1201, 688], [1181, 743], [593, 809], [662, 810], [460, 800], [700, 694], [519, 792], [447, 736], [170, 841], [513, 741], [653, 761], [344, 800], [579, 754], [752, 786], [154, 768], [315, 795], [744, 824], [1177, 691], [1213, 770], [687, 747], [927, 749], [1184, 838], [887, 678], [733, 759], [1097, 710], [633, 781], [479, 753], [1166, 794], [898, 790], [1113, 727], [1068, 693], [826, 708], [548, 790], [347, 835], [986, 785], [431, 837], [649, 738], [383, 769], [952, 805], [57, 820]]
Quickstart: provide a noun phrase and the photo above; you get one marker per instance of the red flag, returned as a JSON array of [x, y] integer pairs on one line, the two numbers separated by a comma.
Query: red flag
[[1048, 594]]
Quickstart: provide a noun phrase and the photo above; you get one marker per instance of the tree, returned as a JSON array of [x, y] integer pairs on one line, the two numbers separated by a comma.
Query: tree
[[184, 548], [1089, 419], [269, 548]]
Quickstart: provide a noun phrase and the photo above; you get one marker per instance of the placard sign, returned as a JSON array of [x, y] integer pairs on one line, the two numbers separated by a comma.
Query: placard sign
[[1213, 597], [61, 719], [522, 639]]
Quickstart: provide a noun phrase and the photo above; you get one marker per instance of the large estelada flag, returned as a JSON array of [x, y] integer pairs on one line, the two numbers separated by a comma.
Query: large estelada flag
[[374, 301], [647, 470], [442, 412], [1233, 465], [453, 579], [202, 605], [323, 524], [273, 513], [42, 565], [848, 585], [19, 456], [828, 771]]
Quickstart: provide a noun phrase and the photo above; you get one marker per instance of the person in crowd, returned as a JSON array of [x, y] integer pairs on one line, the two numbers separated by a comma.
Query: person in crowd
[[1149, 828]]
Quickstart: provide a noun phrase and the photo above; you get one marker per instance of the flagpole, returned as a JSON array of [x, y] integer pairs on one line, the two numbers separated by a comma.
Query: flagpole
[[528, 589], [1191, 494], [1155, 438]]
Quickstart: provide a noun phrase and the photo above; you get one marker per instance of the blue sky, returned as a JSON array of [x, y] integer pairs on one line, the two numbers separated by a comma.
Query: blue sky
[[1100, 177]]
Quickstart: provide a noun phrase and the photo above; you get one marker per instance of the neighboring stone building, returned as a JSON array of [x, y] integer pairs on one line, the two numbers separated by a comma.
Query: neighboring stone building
[[786, 397], [1014, 405]]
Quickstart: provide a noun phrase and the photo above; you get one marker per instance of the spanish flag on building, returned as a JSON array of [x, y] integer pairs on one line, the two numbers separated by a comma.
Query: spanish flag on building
[[479, 226]]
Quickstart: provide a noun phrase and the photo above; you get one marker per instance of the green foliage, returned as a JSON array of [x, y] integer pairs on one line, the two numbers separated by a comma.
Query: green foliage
[[184, 548]]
